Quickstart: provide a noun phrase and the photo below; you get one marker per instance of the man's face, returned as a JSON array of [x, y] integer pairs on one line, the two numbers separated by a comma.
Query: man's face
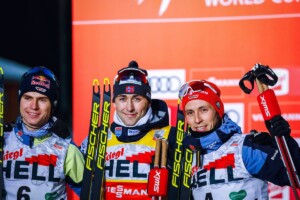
[[35, 109], [131, 108], [200, 115]]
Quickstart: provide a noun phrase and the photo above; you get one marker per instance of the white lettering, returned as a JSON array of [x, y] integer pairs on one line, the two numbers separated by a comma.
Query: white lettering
[[210, 3], [156, 180], [287, 116], [265, 106], [285, 1], [120, 191], [128, 191], [224, 82], [257, 117], [291, 116]]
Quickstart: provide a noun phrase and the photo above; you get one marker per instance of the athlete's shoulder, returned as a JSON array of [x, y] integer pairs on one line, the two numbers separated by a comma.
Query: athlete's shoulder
[[60, 128], [259, 138], [8, 127]]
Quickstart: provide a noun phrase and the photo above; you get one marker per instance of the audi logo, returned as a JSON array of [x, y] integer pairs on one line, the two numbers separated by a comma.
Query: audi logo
[[164, 84]]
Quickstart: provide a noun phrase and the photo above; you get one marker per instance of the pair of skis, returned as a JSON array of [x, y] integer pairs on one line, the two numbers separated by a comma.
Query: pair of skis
[[180, 181], [93, 175], [264, 76]]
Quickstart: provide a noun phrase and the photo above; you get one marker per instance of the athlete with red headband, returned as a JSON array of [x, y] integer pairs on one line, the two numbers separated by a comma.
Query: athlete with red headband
[[232, 165], [138, 120]]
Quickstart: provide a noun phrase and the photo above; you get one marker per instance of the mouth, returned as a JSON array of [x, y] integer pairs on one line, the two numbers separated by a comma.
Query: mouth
[[32, 114], [201, 128], [130, 114]]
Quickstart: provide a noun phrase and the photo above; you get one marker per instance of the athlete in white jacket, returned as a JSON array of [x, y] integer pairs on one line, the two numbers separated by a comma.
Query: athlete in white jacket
[[232, 165], [39, 156]]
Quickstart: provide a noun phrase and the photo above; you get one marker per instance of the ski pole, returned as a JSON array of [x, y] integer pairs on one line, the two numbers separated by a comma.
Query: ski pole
[[264, 76], [158, 176], [267, 99], [164, 167]]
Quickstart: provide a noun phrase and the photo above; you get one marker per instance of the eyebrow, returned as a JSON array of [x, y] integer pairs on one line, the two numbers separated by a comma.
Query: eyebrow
[[125, 95], [201, 107], [38, 97]]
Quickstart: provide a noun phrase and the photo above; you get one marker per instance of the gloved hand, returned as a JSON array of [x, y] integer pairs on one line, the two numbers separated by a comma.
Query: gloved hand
[[262, 138], [278, 126], [192, 143]]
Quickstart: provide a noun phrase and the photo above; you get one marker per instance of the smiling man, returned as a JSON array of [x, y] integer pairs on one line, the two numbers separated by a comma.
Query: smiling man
[[39, 156], [233, 165], [138, 121]]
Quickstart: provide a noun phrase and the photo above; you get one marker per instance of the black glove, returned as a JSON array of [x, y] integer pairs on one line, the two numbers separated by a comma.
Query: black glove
[[262, 138], [278, 126], [192, 143]]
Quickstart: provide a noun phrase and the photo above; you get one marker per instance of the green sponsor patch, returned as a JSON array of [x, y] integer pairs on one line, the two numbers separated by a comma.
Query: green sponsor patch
[[51, 196], [238, 195]]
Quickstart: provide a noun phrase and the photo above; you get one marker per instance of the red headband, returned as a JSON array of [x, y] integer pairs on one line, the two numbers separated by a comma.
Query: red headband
[[206, 94]]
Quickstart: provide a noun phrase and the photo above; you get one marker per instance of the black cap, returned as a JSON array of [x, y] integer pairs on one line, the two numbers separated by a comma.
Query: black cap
[[132, 80], [42, 80]]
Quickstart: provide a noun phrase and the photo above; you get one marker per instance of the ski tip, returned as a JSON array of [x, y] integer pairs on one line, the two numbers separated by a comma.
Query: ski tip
[[96, 86], [106, 80], [95, 82]]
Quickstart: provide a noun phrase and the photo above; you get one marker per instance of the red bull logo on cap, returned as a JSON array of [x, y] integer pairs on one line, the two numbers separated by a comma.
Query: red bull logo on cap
[[40, 81]]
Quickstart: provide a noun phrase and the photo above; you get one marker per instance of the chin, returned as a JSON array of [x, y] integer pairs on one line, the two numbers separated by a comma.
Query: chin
[[200, 131], [129, 124]]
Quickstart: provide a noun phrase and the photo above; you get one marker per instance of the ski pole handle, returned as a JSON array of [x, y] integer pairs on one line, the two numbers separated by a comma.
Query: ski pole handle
[[267, 101]]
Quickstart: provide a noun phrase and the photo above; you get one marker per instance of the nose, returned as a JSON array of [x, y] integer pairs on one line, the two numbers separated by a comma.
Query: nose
[[34, 104], [198, 118], [129, 106]]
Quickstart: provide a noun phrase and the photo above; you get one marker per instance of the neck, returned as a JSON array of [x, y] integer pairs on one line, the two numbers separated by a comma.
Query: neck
[[31, 128]]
